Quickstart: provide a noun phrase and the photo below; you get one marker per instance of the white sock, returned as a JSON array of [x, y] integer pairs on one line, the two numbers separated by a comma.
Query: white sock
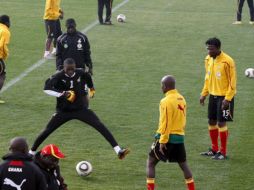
[[32, 152], [54, 50], [46, 53], [117, 149]]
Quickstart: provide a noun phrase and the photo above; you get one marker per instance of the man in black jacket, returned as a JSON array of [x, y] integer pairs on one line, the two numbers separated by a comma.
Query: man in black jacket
[[69, 86], [73, 44], [18, 171], [47, 160]]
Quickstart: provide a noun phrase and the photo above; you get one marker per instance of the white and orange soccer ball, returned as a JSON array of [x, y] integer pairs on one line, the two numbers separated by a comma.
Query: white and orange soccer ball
[[121, 18], [249, 72], [84, 168]]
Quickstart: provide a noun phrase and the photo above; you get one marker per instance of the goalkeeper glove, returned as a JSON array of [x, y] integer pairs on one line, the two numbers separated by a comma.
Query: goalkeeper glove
[[91, 92], [70, 95]]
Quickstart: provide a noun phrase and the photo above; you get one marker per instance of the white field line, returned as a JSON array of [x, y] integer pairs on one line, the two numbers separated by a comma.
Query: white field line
[[42, 61]]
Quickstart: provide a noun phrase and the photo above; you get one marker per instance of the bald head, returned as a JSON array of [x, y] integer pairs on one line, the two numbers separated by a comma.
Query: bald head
[[18, 144], [167, 83]]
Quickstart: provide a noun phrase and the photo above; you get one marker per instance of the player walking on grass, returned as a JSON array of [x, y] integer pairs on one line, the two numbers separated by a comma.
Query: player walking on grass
[[69, 86], [4, 51], [220, 84], [51, 17], [169, 139]]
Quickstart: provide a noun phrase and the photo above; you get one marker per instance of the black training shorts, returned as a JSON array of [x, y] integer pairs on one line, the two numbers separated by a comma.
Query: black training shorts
[[216, 113], [53, 28], [173, 153], [2, 67]]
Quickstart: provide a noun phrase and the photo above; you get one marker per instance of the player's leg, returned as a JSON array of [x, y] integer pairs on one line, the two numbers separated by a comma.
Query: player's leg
[[178, 153], [2, 73], [58, 119], [150, 172], [153, 159], [50, 27], [89, 117], [100, 10], [212, 127], [187, 175], [239, 9], [2, 76], [251, 8], [223, 116], [109, 4], [57, 33]]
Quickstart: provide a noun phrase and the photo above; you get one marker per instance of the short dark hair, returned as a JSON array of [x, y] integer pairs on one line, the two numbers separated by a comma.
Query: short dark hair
[[70, 22], [69, 61], [4, 19], [214, 41]]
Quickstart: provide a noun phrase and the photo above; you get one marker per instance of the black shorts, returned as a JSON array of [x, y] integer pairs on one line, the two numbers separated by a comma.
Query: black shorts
[[2, 67], [216, 113], [53, 28], [174, 152]]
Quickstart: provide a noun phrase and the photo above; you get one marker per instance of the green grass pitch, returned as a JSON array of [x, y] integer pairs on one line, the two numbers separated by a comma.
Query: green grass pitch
[[160, 37]]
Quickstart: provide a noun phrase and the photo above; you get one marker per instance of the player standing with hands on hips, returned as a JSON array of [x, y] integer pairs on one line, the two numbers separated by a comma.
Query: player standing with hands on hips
[[69, 87], [73, 44], [4, 51], [169, 139], [220, 85]]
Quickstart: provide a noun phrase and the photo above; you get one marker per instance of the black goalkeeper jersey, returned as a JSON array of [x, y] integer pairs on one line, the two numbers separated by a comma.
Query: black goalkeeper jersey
[[60, 82]]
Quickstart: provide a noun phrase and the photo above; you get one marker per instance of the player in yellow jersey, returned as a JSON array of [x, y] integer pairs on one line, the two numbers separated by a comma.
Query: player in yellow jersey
[[51, 17], [169, 143], [220, 85], [4, 51]]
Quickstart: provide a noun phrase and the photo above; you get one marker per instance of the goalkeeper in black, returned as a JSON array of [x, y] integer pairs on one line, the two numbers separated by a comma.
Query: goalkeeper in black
[[69, 86]]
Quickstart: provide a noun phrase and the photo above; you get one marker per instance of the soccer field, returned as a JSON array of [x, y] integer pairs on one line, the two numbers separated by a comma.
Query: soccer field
[[160, 37]]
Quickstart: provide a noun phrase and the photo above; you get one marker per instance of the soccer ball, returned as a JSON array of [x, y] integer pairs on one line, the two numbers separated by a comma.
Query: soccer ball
[[84, 168], [121, 18], [249, 72]]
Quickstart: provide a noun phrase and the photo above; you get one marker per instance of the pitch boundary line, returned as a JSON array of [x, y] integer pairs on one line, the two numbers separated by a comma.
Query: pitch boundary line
[[42, 61]]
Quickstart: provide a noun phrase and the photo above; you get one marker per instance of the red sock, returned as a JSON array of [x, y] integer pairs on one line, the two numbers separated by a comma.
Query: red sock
[[214, 134], [150, 183], [190, 184], [223, 140]]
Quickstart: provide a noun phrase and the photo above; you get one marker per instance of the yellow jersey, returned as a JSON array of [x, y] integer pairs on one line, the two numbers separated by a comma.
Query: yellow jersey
[[52, 10], [220, 78], [4, 41], [172, 116]]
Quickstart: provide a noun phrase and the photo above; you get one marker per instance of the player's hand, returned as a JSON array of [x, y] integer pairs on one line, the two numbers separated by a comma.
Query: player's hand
[[61, 14], [163, 146], [202, 100], [91, 92], [225, 104], [70, 95]]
